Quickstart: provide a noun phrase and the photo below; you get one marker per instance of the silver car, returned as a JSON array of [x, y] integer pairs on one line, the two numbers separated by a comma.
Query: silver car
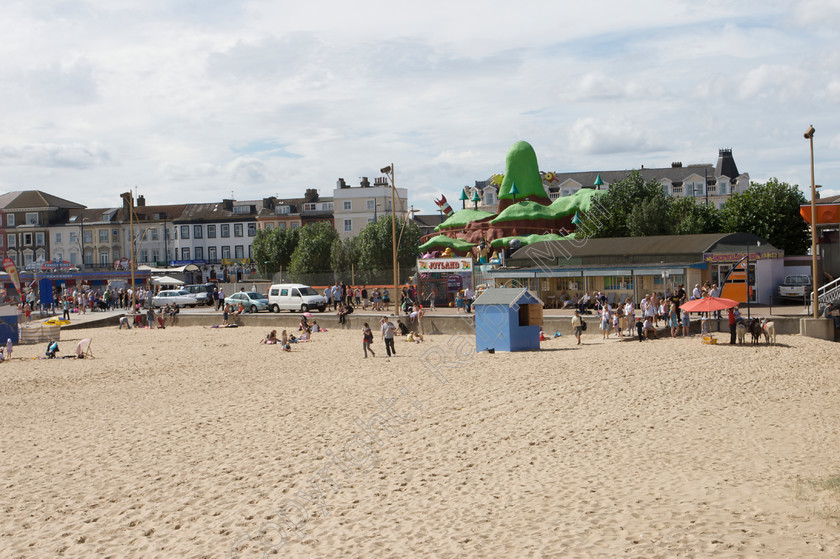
[[251, 301], [179, 297]]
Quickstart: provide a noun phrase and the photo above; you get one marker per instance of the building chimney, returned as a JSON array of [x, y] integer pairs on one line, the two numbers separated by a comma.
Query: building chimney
[[311, 195], [676, 164], [365, 183], [141, 201], [341, 184]]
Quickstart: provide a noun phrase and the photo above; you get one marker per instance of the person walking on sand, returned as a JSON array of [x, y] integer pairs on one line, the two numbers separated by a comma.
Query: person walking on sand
[[577, 326], [367, 339], [388, 331], [606, 320]]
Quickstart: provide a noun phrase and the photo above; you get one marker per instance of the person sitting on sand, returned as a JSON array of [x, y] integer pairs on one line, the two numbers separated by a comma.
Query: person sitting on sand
[[303, 324], [415, 337], [271, 338], [315, 327], [306, 336], [52, 349], [402, 327]]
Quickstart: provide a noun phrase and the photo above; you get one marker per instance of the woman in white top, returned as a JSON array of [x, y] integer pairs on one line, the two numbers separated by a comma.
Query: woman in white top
[[606, 320], [630, 313]]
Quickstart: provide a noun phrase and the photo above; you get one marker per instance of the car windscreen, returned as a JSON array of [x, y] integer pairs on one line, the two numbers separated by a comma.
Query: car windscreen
[[255, 295], [307, 291]]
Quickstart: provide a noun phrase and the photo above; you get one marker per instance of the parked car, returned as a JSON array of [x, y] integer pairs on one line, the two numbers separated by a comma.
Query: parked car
[[180, 297], [202, 291], [251, 300], [295, 297], [795, 287]]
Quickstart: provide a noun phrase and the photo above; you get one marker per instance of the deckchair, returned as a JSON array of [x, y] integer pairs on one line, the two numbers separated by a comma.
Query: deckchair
[[83, 350]]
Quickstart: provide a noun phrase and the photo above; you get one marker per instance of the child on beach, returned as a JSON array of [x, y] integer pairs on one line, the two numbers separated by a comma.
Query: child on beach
[[367, 339]]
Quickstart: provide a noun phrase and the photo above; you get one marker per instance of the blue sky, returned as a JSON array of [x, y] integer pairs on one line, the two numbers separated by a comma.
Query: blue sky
[[190, 101]]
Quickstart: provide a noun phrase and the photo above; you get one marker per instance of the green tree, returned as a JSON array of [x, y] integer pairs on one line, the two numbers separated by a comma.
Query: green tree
[[769, 210], [630, 207], [272, 249], [375, 247], [344, 255], [312, 254], [690, 218]]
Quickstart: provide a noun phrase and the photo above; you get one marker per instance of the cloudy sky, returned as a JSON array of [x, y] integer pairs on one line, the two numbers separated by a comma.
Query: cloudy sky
[[192, 100]]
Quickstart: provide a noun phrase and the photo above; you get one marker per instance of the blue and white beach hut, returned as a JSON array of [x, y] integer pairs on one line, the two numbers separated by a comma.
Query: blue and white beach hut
[[507, 319]]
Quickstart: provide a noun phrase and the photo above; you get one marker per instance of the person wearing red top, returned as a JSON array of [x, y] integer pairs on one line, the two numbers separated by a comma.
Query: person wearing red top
[[732, 326]]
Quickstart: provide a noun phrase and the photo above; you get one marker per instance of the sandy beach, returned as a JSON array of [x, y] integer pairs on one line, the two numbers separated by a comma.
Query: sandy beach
[[197, 442]]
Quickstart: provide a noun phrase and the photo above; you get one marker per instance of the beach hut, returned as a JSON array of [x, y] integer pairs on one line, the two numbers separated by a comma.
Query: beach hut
[[507, 319]]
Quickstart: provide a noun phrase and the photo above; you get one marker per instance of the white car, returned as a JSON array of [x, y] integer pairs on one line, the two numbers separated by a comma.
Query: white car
[[180, 297], [251, 301]]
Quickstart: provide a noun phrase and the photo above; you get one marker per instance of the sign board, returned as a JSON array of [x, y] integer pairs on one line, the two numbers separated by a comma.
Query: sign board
[[454, 283], [444, 265], [736, 256]]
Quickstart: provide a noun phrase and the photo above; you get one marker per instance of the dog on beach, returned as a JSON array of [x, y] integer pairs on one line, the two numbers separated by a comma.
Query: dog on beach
[[741, 332]]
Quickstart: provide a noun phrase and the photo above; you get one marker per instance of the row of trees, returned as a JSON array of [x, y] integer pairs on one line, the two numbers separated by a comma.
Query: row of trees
[[634, 208], [316, 249]]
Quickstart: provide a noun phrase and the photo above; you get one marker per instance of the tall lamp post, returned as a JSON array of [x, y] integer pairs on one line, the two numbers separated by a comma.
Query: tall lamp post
[[389, 172], [129, 197], [809, 135]]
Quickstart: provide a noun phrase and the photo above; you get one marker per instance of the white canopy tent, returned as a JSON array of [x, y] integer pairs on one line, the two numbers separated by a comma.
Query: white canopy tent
[[166, 280]]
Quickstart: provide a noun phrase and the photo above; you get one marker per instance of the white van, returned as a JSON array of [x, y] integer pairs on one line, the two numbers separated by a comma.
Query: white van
[[295, 297]]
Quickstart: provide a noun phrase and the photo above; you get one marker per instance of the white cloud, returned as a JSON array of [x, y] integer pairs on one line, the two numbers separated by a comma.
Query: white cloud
[[608, 135], [775, 81], [76, 155]]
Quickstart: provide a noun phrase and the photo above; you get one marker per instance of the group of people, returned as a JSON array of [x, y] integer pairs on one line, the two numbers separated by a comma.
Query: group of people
[[349, 296], [653, 308], [286, 340]]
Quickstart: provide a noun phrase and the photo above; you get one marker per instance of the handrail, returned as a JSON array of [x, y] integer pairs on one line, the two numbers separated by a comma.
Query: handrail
[[827, 287]]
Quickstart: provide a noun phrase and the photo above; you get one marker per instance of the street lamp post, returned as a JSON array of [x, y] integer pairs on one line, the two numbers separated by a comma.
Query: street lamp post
[[809, 135], [389, 172]]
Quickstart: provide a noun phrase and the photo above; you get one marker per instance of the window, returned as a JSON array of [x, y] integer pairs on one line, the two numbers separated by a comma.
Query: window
[[27, 239], [103, 256], [295, 225], [154, 233], [10, 238], [39, 239], [279, 210], [225, 252], [281, 225], [32, 218], [348, 225], [211, 253], [327, 206], [237, 229], [269, 226], [371, 204], [115, 235], [225, 230], [242, 209], [618, 282], [677, 190], [239, 251], [74, 238], [74, 258], [10, 220], [211, 231], [252, 229], [144, 256], [489, 198], [58, 238], [199, 253], [185, 253], [154, 255], [88, 258], [1, 241], [185, 231], [310, 207], [348, 205], [197, 232], [27, 258], [103, 235]]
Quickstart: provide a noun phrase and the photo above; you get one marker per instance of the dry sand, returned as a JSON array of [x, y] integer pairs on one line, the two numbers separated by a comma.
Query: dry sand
[[189, 442]]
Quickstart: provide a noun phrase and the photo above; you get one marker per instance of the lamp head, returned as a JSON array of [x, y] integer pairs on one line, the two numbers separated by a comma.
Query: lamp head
[[385, 170], [810, 132]]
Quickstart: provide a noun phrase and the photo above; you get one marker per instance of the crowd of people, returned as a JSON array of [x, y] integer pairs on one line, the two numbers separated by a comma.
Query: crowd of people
[[625, 318]]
